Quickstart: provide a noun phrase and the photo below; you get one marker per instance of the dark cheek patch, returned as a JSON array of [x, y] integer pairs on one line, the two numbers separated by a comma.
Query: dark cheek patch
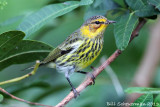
[[94, 27]]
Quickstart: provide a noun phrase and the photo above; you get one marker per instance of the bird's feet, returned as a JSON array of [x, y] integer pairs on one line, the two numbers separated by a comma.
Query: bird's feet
[[89, 74], [93, 68], [92, 77], [75, 92]]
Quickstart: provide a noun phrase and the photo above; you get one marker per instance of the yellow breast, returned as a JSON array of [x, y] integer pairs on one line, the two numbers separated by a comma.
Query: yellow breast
[[89, 52]]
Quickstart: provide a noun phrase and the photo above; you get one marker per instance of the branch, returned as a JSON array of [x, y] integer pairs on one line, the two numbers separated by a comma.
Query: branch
[[96, 72], [22, 100]]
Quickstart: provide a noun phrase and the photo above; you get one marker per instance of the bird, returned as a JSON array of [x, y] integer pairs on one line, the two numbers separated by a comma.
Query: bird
[[80, 49]]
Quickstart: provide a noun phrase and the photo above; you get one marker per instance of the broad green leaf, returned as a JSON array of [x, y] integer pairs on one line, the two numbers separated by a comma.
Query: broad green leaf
[[8, 40], [143, 90], [155, 3], [100, 7], [85, 2], [141, 8], [36, 20], [135, 4], [123, 29], [97, 3], [157, 101], [144, 101], [14, 50], [120, 2], [1, 97]]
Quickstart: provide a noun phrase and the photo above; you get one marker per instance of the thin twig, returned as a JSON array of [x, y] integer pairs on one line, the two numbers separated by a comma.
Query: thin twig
[[22, 100], [135, 33], [24, 76], [96, 72], [18, 79]]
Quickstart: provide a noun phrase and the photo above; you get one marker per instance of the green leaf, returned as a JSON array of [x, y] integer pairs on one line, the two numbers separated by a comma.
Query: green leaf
[[14, 50], [8, 40], [143, 90], [155, 3], [141, 8], [120, 2], [123, 29], [157, 101], [100, 7], [135, 4], [1, 97], [36, 20], [144, 101], [85, 2], [97, 3]]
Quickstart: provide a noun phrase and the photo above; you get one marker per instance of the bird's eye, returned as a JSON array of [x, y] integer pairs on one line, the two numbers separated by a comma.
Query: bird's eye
[[97, 22]]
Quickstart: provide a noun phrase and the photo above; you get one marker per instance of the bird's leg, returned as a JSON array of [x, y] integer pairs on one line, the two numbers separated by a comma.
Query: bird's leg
[[70, 83], [93, 68], [22, 77], [82, 72], [90, 74]]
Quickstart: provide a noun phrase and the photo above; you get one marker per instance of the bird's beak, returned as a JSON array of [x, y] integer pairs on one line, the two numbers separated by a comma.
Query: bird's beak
[[110, 21]]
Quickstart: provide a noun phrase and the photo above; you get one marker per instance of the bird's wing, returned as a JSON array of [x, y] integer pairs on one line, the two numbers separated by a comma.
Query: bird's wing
[[64, 48], [53, 55]]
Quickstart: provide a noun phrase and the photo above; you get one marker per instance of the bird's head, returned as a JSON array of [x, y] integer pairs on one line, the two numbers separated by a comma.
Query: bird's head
[[94, 26]]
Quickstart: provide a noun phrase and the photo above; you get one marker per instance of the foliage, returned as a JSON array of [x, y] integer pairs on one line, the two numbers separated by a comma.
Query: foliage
[[1, 97], [123, 28], [45, 23], [36, 20], [156, 101], [14, 50], [141, 8], [143, 90], [100, 7], [144, 101], [155, 3], [147, 99]]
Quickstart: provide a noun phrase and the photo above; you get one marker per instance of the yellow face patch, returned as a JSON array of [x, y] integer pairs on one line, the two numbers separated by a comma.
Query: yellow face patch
[[92, 29]]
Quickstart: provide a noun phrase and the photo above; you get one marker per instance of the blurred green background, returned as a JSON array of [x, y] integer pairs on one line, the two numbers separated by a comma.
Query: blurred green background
[[50, 87]]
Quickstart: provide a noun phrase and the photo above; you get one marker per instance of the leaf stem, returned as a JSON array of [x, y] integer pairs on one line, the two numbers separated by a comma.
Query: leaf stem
[[22, 100], [22, 77]]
